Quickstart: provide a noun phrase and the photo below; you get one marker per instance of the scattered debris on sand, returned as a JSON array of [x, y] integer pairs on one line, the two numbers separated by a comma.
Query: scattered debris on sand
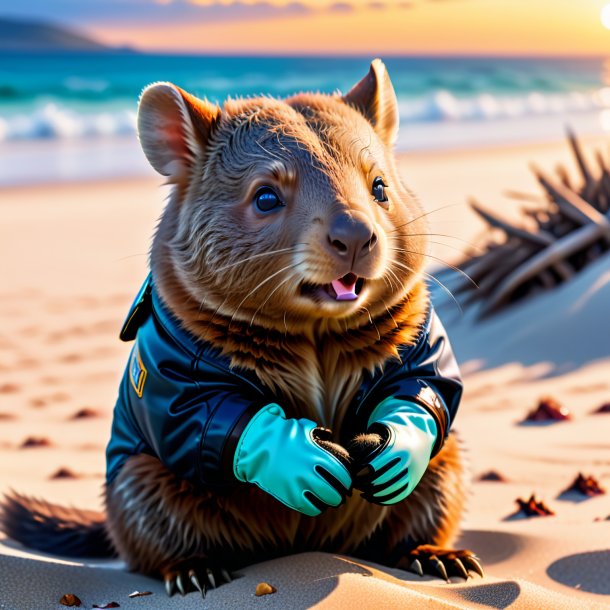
[[35, 441], [9, 388], [533, 507], [548, 410], [605, 408], [85, 413], [264, 588], [64, 473], [586, 485], [108, 605], [492, 475], [561, 232], [139, 594], [70, 600]]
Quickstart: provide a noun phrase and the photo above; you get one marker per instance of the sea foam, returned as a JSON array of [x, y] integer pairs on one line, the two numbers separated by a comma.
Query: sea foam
[[52, 120]]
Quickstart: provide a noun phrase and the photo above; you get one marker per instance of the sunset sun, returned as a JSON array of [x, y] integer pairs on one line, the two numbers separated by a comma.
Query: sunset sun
[[605, 16]]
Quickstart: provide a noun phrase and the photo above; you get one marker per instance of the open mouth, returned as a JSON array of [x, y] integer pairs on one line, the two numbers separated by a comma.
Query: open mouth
[[346, 288]]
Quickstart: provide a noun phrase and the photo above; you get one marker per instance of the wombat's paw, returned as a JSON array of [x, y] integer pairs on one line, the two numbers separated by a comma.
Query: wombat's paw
[[436, 561], [363, 447], [323, 437], [194, 574]]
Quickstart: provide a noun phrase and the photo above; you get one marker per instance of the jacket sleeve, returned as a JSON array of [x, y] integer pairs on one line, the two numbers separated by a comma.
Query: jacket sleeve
[[426, 374], [188, 406]]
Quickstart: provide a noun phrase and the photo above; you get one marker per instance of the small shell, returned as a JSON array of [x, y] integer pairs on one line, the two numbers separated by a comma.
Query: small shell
[[69, 599], [264, 588], [139, 594]]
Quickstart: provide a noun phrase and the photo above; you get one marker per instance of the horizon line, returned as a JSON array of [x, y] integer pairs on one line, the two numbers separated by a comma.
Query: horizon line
[[244, 54]]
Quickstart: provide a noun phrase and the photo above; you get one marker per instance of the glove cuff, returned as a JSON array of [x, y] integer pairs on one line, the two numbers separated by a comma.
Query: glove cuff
[[426, 399], [393, 411], [251, 440]]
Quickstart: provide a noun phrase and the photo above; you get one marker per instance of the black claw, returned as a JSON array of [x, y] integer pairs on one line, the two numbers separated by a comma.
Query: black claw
[[170, 586], [195, 580], [460, 568], [417, 567], [226, 576], [180, 585], [440, 567], [475, 565], [211, 578]]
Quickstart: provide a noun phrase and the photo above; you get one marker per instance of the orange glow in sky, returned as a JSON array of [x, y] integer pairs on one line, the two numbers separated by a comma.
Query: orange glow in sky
[[505, 27]]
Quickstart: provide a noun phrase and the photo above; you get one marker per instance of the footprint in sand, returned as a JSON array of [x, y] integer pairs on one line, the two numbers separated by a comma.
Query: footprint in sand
[[605, 408], [64, 473], [85, 413], [43, 401], [29, 331], [491, 545], [32, 442], [59, 335], [9, 388], [585, 571], [493, 476], [50, 380]]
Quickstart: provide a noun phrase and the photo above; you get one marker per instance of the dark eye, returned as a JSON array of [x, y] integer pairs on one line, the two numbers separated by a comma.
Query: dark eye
[[267, 200], [379, 190]]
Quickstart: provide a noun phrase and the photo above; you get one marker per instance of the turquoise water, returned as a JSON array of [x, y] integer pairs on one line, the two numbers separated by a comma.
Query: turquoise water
[[105, 88], [444, 102]]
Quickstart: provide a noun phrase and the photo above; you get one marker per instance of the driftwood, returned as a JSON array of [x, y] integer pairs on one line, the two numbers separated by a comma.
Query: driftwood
[[565, 230]]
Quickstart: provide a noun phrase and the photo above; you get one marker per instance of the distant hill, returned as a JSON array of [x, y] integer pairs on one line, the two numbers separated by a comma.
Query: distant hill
[[38, 36]]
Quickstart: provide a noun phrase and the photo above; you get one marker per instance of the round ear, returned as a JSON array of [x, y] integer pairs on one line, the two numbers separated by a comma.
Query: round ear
[[174, 128], [374, 97]]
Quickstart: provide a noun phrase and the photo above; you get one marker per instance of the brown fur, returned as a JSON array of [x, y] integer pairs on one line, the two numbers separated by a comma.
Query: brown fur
[[322, 153], [234, 278], [156, 520]]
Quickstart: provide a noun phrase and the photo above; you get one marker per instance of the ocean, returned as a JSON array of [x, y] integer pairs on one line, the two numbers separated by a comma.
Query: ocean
[[81, 108]]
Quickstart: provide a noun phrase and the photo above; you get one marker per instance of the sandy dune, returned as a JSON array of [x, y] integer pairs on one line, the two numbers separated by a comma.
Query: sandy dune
[[72, 259]]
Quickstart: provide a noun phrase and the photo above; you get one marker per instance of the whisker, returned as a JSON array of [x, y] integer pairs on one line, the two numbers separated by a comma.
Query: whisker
[[468, 243], [215, 311], [456, 248], [373, 323], [291, 266], [269, 296], [434, 279], [393, 273], [436, 258], [124, 258], [259, 255], [451, 205], [389, 313]]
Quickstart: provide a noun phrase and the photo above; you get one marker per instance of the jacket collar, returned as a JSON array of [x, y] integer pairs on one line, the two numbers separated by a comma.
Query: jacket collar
[[171, 324]]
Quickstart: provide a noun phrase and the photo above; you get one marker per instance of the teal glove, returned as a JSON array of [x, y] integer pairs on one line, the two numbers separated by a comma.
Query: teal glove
[[283, 458], [398, 464]]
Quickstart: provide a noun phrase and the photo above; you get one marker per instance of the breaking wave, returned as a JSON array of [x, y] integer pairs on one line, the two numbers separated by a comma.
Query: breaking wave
[[53, 120]]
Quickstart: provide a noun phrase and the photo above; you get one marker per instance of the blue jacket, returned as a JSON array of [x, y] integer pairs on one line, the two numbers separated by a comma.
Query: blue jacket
[[180, 400]]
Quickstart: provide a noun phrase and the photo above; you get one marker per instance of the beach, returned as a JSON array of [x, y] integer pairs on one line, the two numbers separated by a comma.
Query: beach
[[73, 257]]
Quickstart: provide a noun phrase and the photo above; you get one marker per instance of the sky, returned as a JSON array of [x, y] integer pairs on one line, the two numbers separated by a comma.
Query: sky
[[353, 27]]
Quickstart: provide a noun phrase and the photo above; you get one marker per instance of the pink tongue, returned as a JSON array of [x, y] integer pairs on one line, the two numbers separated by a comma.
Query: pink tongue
[[344, 293]]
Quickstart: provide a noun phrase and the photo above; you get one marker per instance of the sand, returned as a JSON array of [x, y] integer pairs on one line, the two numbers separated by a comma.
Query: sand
[[72, 258]]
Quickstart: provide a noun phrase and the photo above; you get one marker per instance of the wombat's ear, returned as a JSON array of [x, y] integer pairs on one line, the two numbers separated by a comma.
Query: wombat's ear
[[374, 97], [174, 128]]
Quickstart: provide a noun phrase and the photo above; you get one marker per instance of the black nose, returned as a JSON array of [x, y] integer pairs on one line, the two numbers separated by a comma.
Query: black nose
[[351, 236]]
